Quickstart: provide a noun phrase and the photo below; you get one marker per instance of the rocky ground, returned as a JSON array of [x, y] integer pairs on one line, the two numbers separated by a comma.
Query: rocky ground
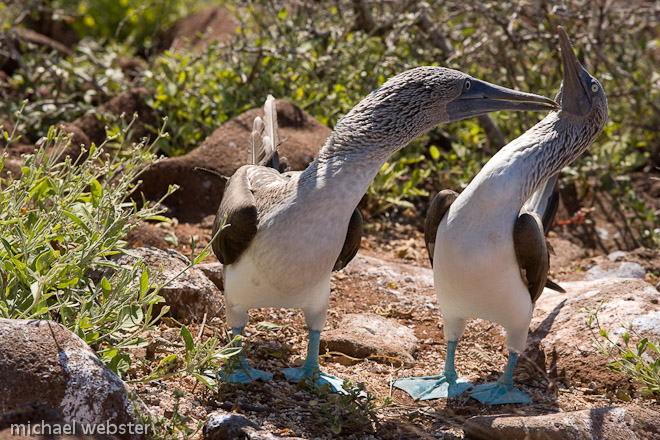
[[391, 278]]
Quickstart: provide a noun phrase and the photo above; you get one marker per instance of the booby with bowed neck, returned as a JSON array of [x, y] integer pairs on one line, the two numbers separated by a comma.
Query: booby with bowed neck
[[489, 254], [286, 232]]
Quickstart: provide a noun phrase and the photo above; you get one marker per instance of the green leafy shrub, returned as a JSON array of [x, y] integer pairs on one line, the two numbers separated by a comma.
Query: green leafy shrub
[[60, 88], [640, 360], [58, 220]]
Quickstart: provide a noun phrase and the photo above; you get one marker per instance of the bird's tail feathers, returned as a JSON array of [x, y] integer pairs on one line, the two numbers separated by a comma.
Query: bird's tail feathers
[[545, 202], [264, 141]]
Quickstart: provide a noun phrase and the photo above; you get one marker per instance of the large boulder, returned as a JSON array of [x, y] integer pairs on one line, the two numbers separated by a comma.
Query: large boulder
[[190, 295], [560, 342], [224, 152], [43, 362]]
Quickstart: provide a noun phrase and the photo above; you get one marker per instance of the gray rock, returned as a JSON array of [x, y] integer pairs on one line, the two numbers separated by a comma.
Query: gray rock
[[227, 426], [626, 301], [616, 255], [191, 294], [561, 343], [40, 421], [594, 424], [364, 335], [390, 272], [611, 269], [213, 272], [42, 361]]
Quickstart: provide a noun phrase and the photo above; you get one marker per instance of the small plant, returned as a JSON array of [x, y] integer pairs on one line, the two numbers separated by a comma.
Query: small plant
[[175, 426], [354, 411], [640, 361]]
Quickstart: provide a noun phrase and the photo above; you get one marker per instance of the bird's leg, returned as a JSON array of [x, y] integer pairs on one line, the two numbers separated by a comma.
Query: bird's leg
[[502, 391], [240, 371], [310, 368], [448, 384]]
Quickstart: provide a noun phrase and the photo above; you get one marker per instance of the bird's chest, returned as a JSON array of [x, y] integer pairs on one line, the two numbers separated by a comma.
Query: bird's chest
[[474, 252], [291, 251]]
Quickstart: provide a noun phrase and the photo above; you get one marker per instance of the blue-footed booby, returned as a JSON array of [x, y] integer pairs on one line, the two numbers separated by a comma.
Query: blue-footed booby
[[287, 232], [488, 248]]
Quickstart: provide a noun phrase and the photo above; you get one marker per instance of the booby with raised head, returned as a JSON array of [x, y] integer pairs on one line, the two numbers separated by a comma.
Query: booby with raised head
[[489, 253], [286, 232]]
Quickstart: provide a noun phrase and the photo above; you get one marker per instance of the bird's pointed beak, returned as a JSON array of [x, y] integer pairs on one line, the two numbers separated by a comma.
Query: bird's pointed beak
[[575, 97], [484, 97]]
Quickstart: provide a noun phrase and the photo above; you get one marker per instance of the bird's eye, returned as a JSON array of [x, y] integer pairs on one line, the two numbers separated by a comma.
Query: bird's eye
[[468, 84], [594, 88]]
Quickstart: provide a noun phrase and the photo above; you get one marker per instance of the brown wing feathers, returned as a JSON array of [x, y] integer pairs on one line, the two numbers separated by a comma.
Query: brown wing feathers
[[437, 210]]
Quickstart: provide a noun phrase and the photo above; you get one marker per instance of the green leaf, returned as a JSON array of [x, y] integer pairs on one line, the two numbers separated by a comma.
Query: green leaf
[[97, 192], [167, 362], [35, 290], [171, 239], [144, 281], [68, 283], [268, 326], [434, 152], [188, 339], [206, 381], [77, 220], [106, 289]]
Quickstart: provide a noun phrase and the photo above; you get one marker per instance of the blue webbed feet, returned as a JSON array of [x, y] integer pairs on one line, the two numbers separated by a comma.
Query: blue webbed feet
[[498, 393], [243, 373], [311, 367], [433, 387], [294, 375], [501, 392], [448, 384]]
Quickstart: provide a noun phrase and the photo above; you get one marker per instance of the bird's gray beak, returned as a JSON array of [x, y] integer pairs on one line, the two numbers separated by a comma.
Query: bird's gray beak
[[575, 97], [483, 97]]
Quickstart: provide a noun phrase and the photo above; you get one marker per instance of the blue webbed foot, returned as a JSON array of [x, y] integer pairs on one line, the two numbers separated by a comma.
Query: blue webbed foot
[[501, 392], [433, 387], [294, 375], [240, 371], [244, 373], [310, 368], [497, 393]]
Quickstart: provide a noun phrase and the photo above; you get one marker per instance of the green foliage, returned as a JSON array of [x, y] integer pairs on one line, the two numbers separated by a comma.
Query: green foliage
[[353, 412], [64, 88], [396, 185], [198, 360], [58, 221], [134, 21], [640, 360], [197, 92]]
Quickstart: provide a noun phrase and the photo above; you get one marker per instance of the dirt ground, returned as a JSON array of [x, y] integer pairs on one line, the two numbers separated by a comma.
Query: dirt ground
[[293, 410]]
